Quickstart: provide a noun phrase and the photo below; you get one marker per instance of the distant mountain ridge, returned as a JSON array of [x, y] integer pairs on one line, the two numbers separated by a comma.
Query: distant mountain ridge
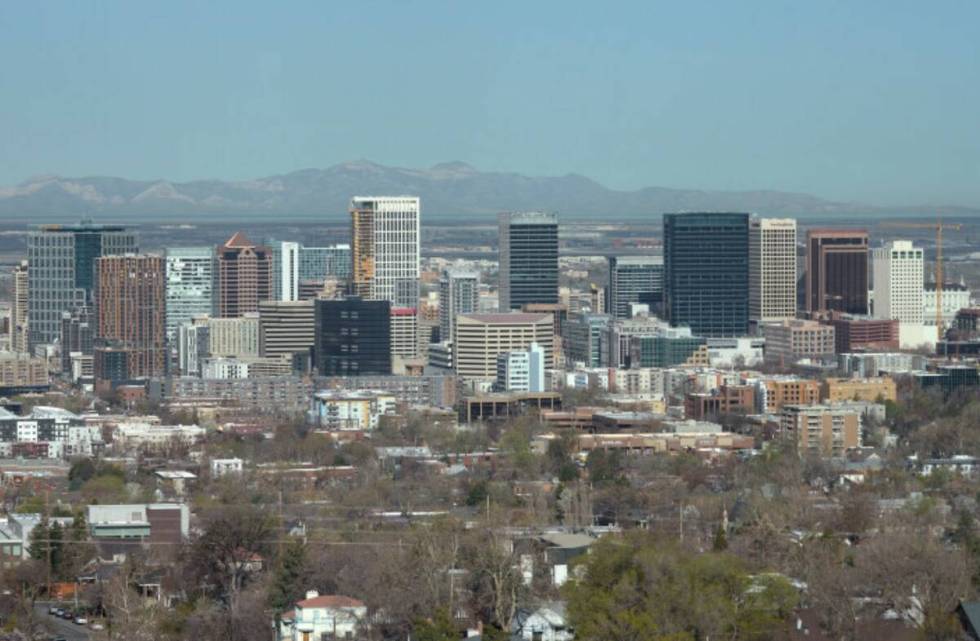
[[447, 189]]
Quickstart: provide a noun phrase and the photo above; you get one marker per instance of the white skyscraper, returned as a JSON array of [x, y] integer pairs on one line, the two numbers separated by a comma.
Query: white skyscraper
[[772, 269], [189, 286], [285, 270], [459, 293], [898, 285], [385, 248]]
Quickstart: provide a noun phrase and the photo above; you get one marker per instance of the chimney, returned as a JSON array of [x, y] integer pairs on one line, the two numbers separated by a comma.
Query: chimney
[[312, 594]]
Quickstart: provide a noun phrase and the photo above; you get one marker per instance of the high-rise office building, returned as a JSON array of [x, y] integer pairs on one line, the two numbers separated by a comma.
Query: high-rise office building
[[837, 270], [352, 337], [61, 274], [480, 338], [634, 279], [190, 287], [234, 337], [772, 269], [130, 313], [706, 268], [385, 249], [459, 293], [528, 259], [285, 270], [285, 328], [321, 263], [244, 276], [898, 286], [18, 310]]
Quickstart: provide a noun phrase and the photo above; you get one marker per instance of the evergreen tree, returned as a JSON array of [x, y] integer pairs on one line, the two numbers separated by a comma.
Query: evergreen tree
[[56, 535], [721, 540], [39, 541], [287, 585]]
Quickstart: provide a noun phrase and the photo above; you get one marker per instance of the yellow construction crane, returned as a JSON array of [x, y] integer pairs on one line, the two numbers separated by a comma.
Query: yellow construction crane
[[939, 226]]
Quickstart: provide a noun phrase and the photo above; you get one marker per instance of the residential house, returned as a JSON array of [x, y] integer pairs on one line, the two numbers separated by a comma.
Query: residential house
[[317, 617], [547, 622]]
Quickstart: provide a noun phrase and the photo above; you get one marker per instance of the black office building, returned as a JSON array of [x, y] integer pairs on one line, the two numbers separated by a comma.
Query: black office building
[[352, 337], [706, 268], [528, 259]]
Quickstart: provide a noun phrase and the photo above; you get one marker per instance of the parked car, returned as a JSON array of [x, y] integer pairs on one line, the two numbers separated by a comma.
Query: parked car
[[68, 615], [80, 620], [97, 626], [53, 610]]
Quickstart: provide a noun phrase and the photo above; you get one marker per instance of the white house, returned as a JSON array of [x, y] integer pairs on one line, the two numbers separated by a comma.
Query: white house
[[223, 466], [323, 617], [546, 623]]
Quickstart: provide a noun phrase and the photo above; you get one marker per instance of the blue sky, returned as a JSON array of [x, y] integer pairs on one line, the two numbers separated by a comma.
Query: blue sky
[[876, 101]]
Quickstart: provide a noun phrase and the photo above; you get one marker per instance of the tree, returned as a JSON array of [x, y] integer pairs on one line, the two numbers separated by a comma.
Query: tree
[[495, 579], [437, 628], [130, 615], [232, 536], [641, 588], [720, 543], [80, 472], [288, 582]]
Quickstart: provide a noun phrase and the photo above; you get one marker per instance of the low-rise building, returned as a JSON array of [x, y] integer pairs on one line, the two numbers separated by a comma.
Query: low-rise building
[[344, 410], [132, 436], [859, 389], [822, 430], [226, 466], [728, 399], [772, 393], [792, 340]]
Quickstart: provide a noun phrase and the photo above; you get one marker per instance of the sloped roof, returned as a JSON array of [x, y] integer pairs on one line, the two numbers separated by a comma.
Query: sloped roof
[[330, 601], [239, 240]]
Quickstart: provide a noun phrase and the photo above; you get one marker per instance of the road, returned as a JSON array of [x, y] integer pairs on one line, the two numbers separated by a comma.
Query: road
[[58, 626]]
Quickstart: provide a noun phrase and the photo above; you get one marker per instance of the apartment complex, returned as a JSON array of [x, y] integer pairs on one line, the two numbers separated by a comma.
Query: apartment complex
[[822, 430], [62, 271], [385, 248], [234, 337], [18, 310], [459, 293], [528, 257], [189, 286], [130, 313], [872, 390], [772, 269]]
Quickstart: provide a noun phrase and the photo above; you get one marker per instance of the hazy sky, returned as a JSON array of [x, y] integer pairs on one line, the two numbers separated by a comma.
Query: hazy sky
[[866, 100]]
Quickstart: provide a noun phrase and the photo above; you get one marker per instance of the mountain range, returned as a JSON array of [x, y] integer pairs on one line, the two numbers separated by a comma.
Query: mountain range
[[451, 189]]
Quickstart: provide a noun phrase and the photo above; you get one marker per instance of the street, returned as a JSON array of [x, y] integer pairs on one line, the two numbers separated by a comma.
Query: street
[[58, 626]]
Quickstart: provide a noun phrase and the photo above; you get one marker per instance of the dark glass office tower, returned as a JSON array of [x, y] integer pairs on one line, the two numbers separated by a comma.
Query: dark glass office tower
[[352, 337], [61, 272], [634, 279], [837, 270], [528, 259], [706, 268]]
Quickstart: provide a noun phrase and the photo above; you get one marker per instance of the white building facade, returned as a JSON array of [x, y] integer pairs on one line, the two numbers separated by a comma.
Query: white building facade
[[772, 269], [898, 286]]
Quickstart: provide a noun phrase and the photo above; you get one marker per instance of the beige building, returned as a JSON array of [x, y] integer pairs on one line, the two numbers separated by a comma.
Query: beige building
[[836, 390], [22, 370], [234, 336], [285, 327], [480, 338], [791, 340], [822, 430], [775, 393], [772, 269], [404, 332], [18, 311]]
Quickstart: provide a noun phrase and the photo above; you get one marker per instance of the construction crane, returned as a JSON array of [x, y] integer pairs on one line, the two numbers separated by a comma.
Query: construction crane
[[939, 226]]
